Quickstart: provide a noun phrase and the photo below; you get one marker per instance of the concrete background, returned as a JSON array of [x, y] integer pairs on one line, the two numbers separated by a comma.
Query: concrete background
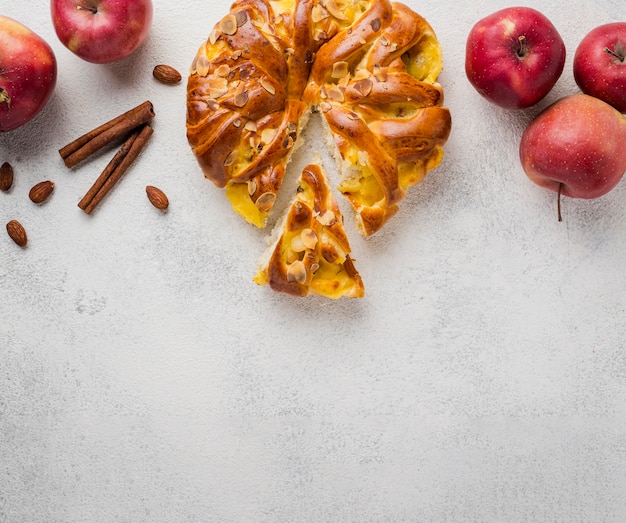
[[145, 377]]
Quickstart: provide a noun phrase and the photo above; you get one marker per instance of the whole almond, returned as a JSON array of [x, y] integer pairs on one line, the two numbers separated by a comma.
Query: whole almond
[[6, 176], [166, 74], [157, 197], [41, 191], [17, 233]]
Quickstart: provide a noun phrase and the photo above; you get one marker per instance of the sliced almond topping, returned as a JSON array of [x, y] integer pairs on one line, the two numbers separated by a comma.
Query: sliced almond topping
[[214, 35], [320, 35], [252, 186], [288, 142], [228, 25], [212, 104], [291, 256], [384, 41], [296, 272], [364, 87], [309, 259], [352, 115], [348, 265], [237, 123], [250, 126], [363, 157], [268, 29], [394, 47], [340, 69], [254, 141], [380, 73], [231, 158], [325, 107], [297, 245], [268, 86], [329, 252], [335, 94], [318, 13], [241, 99], [223, 70], [268, 134], [327, 218], [275, 40], [361, 74], [219, 81], [309, 238], [241, 18], [202, 65], [236, 54], [334, 10], [290, 51], [314, 267], [263, 26], [266, 201], [217, 93]]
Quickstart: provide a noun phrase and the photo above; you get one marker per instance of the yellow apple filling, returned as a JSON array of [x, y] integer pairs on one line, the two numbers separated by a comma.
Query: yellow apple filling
[[425, 61], [359, 181], [242, 204]]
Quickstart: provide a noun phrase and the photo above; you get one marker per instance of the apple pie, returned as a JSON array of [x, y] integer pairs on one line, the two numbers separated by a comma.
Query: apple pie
[[370, 67]]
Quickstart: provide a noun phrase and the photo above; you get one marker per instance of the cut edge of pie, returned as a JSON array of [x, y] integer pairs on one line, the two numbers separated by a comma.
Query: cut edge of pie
[[309, 251]]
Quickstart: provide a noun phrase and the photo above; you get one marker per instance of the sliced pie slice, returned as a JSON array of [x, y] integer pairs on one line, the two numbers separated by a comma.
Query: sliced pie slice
[[311, 254]]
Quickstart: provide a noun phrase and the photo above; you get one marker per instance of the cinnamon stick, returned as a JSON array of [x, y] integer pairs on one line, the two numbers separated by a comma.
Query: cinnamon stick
[[108, 170], [86, 145], [116, 168]]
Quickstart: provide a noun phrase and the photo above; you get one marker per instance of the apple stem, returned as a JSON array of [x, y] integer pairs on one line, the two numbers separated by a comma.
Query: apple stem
[[558, 202], [91, 8], [521, 51], [5, 98], [613, 53]]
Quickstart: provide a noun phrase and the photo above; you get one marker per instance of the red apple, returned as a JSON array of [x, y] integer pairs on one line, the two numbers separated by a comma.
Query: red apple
[[600, 64], [576, 147], [28, 74], [514, 57], [102, 31]]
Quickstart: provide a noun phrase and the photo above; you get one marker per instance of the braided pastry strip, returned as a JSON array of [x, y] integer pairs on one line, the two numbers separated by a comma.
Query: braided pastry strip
[[264, 65]]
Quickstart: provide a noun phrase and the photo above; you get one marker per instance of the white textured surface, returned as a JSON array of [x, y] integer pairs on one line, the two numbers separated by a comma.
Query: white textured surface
[[144, 377]]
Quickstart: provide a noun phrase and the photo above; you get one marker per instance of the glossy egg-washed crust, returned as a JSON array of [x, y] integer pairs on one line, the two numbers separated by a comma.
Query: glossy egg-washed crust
[[312, 253], [369, 66]]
